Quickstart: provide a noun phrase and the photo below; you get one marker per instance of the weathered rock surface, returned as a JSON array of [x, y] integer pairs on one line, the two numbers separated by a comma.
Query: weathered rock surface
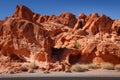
[[81, 21], [21, 38], [23, 12], [94, 23], [58, 41], [116, 27], [67, 19]]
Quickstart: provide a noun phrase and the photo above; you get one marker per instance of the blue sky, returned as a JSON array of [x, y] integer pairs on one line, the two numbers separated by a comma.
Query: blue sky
[[49, 7]]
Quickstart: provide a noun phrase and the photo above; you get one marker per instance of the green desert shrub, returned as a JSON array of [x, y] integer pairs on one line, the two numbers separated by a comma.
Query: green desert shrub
[[76, 44], [79, 68], [117, 67], [108, 66]]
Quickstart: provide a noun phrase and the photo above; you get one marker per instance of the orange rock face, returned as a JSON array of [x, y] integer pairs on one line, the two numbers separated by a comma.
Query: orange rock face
[[63, 39], [95, 23], [116, 27], [23, 12], [67, 19]]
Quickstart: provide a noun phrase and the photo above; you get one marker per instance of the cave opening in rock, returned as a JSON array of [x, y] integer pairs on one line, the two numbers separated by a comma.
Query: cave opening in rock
[[73, 59], [56, 53], [15, 57], [81, 23]]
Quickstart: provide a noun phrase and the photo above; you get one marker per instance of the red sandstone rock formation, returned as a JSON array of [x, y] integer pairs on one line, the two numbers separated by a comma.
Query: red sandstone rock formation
[[63, 39], [95, 23], [81, 21], [23, 12], [116, 27]]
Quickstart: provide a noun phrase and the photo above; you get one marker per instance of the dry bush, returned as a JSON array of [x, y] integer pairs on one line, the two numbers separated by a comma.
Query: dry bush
[[93, 66], [31, 71], [117, 67], [108, 66], [79, 68], [24, 68], [33, 65]]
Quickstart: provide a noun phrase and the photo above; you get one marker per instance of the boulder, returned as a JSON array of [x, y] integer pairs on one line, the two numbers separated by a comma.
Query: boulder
[[109, 52], [67, 19], [116, 27], [21, 38], [90, 47], [96, 23]]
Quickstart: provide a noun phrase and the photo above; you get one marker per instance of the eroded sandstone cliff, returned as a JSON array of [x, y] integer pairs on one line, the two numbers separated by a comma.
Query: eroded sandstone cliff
[[65, 40]]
